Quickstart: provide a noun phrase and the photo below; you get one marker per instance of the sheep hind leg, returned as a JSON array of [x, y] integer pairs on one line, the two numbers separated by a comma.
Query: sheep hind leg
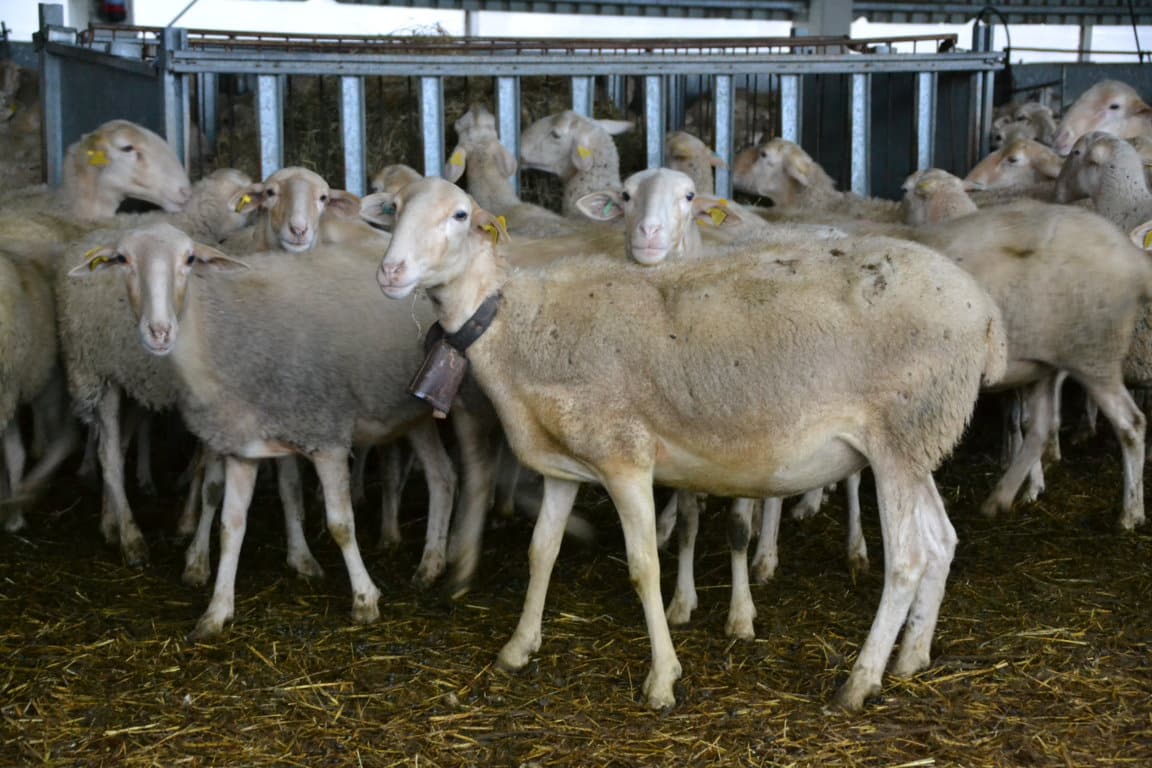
[[1129, 423], [116, 521], [857, 548], [186, 525], [395, 464], [1039, 401], [767, 557], [239, 481], [13, 460], [441, 479], [741, 610], [197, 558], [299, 558], [905, 559], [684, 599], [809, 504], [475, 433], [332, 467], [556, 505]]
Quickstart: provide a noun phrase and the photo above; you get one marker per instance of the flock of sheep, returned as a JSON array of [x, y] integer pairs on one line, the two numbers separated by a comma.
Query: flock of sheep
[[648, 333]]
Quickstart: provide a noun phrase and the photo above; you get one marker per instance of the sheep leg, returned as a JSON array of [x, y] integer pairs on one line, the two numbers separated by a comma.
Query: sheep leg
[[741, 609], [508, 478], [632, 495], [857, 548], [15, 457], [1128, 421], [1039, 401], [905, 561], [59, 448], [767, 558], [684, 599], [332, 467], [144, 479], [555, 506], [239, 481], [1013, 438], [940, 546], [395, 463], [116, 515], [478, 475], [441, 479], [1052, 449], [359, 468], [300, 558], [666, 521], [809, 504], [186, 525], [87, 466], [197, 558]]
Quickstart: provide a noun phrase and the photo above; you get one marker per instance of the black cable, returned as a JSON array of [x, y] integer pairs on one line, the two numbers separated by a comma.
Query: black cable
[[1004, 21], [1135, 34]]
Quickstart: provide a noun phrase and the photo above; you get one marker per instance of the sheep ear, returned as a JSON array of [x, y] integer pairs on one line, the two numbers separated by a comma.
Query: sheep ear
[[489, 225], [95, 260], [1099, 153], [208, 257], [714, 211], [1142, 236], [505, 161], [716, 161], [615, 127], [247, 199], [379, 208], [96, 149], [343, 203], [605, 205], [1143, 110], [1048, 163], [454, 168], [799, 166]]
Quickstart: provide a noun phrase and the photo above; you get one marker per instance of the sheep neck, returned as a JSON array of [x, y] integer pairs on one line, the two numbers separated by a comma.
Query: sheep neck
[[458, 298], [81, 193], [1122, 195]]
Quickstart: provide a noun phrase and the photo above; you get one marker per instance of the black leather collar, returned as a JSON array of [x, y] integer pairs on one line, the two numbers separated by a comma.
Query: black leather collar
[[472, 329]]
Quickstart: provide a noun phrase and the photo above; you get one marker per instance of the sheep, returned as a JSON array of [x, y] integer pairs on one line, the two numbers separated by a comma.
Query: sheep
[[779, 169], [1029, 121], [1111, 172], [1021, 164], [288, 357], [934, 195], [489, 164], [1110, 106], [697, 387], [578, 149], [685, 153]]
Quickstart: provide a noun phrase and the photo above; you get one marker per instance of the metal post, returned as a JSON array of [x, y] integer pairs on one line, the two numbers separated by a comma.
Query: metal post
[[790, 108], [508, 119], [618, 92], [432, 124], [722, 93], [208, 93], [353, 134], [174, 93], [925, 119], [1085, 54], [676, 100], [51, 96], [654, 119], [982, 95], [270, 123], [583, 90], [861, 119]]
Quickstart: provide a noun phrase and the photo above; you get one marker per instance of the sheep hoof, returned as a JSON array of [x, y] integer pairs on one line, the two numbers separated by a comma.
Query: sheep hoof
[[207, 628], [764, 569], [305, 566], [679, 611], [388, 542], [803, 510], [15, 522], [658, 688], [852, 694], [365, 609], [857, 565], [1129, 521], [740, 628], [513, 657], [196, 574], [135, 552], [991, 507]]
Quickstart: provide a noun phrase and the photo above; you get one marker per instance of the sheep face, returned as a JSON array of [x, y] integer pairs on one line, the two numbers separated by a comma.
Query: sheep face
[[1080, 175], [438, 229], [155, 262], [775, 170], [132, 161], [291, 202], [932, 196], [1110, 106], [1021, 163], [564, 144]]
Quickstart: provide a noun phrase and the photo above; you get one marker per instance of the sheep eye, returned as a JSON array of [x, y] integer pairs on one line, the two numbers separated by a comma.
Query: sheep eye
[[1113, 106], [691, 196], [324, 198], [120, 258], [625, 196], [269, 193], [127, 148], [764, 155], [191, 259], [555, 133], [1013, 160], [1076, 153], [460, 215]]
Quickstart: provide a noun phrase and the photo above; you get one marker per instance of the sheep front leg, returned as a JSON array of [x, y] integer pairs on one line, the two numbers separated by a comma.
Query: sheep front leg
[[144, 479], [632, 495], [441, 480], [474, 436], [332, 467], [559, 496], [684, 599], [1130, 425], [239, 480], [395, 463], [14, 459], [116, 517], [1039, 406], [197, 559], [767, 557], [741, 610], [300, 558]]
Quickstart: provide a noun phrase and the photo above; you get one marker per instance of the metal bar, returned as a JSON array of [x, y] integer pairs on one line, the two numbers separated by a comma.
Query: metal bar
[[925, 119], [51, 97], [61, 46], [270, 123], [654, 119], [982, 95], [617, 92], [353, 134], [790, 108], [583, 91], [722, 99], [508, 119], [432, 124], [861, 119], [208, 93], [676, 100], [174, 94]]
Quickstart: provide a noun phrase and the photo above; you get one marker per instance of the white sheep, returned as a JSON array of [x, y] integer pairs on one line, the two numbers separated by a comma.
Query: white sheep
[[1109, 170], [1110, 106], [686, 153], [1021, 164], [578, 149], [295, 356], [699, 385], [1030, 121]]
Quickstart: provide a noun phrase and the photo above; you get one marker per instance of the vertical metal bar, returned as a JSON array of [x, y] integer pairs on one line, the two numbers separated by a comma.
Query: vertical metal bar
[[790, 108], [618, 92], [1085, 53], [174, 96], [270, 123], [352, 133], [508, 119], [676, 88], [583, 90], [722, 93], [861, 119], [432, 124], [925, 119], [51, 98], [654, 119], [208, 93], [981, 97]]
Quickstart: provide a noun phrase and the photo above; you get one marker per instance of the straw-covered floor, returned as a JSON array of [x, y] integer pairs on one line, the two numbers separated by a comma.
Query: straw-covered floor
[[1041, 657]]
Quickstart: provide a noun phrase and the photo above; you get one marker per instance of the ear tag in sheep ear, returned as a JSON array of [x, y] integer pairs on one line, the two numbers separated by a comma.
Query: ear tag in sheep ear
[[1148, 240], [718, 216], [244, 201], [97, 158], [97, 262], [493, 230], [457, 158], [607, 209], [583, 151]]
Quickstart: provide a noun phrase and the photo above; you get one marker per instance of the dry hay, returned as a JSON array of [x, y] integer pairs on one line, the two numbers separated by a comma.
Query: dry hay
[[1042, 653]]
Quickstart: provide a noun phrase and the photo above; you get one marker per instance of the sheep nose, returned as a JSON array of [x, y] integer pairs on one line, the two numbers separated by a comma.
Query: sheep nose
[[299, 230], [160, 332], [389, 274], [649, 229], [184, 193]]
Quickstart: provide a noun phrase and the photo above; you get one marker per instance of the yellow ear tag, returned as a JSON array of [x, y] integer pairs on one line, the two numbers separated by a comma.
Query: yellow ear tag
[[1148, 240], [457, 158], [93, 263], [97, 158], [718, 216], [244, 200], [583, 151], [493, 230], [925, 188]]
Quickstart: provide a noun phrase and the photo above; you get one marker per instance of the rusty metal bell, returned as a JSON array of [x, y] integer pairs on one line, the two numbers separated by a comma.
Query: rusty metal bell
[[439, 377]]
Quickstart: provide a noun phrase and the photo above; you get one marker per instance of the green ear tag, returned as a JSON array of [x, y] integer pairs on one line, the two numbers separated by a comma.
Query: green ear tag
[[607, 209]]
